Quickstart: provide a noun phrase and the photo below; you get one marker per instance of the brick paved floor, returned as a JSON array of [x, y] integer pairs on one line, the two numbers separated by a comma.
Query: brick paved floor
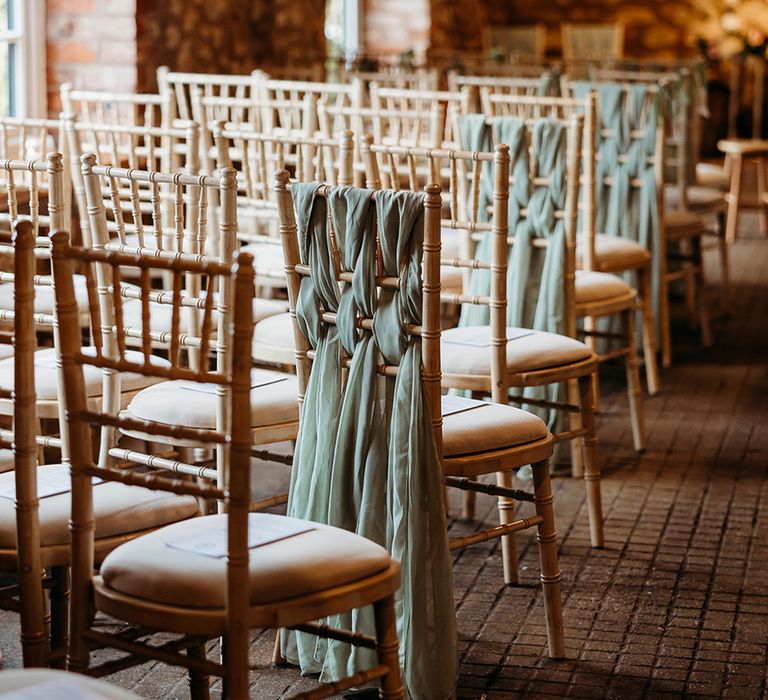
[[676, 604]]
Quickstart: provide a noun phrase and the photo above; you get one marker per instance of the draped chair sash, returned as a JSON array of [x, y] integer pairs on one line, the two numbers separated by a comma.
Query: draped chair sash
[[365, 456]]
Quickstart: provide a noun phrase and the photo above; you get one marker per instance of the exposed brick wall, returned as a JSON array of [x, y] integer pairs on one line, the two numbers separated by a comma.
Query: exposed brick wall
[[91, 44], [226, 36]]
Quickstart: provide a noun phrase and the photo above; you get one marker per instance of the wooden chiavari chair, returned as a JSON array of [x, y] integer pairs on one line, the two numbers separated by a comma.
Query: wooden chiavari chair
[[481, 358], [124, 108], [274, 412], [591, 42], [598, 294], [489, 438], [313, 159], [528, 42], [35, 502], [682, 228], [158, 584]]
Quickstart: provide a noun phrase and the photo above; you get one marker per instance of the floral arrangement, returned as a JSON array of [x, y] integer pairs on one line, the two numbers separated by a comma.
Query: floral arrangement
[[733, 28]]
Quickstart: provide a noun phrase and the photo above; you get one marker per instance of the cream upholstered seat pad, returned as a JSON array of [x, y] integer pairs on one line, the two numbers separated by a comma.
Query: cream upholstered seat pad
[[451, 280], [449, 241], [697, 197], [44, 299], [118, 509], [313, 561], [460, 353], [615, 251], [492, 426], [6, 351], [46, 374], [275, 331], [6, 460], [267, 256], [160, 315], [681, 224], [194, 405], [712, 175], [596, 286]]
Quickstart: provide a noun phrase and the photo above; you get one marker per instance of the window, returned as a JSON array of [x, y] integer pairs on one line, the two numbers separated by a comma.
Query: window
[[342, 28], [22, 58]]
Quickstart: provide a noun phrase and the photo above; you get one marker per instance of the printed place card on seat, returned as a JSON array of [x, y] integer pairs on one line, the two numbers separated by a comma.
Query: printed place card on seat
[[458, 404]]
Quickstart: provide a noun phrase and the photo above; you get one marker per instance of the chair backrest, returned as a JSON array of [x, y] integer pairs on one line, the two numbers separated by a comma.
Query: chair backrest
[[520, 41], [186, 89], [161, 149], [30, 140], [231, 438], [591, 41], [123, 108], [479, 87], [481, 203]]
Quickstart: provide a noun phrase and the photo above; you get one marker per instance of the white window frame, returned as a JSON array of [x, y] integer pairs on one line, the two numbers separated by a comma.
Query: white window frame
[[352, 32], [28, 37]]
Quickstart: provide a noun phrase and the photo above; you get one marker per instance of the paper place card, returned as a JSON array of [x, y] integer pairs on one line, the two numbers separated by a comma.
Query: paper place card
[[51, 481], [70, 688], [458, 404], [259, 378], [480, 337], [263, 528]]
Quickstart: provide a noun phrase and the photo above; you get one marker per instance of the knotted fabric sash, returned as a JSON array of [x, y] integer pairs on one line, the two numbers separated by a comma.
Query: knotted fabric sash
[[365, 456], [535, 276]]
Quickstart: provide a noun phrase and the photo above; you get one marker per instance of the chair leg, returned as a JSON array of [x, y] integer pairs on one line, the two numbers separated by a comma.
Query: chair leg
[[574, 423], [468, 505], [690, 285], [550, 571], [706, 330], [725, 265], [34, 636], [734, 195], [199, 686], [387, 648], [664, 321], [590, 324], [591, 465], [59, 611], [649, 343], [506, 508], [634, 393], [277, 653]]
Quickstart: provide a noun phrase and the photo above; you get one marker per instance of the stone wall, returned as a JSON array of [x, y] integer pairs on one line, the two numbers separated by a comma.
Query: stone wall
[[91, 44]]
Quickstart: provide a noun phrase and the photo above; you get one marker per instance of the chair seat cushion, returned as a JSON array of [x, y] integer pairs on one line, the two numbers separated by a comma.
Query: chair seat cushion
[[682, 224], [193, 405], [274, 332], [449, 241], [317, 560], [44, 300], [615, 252], [119, 509], [597, 286], [267, 256], [451, 280], [491, 426], [697, 198], [6, 460], [463, 350], [6, 351], [712, 175], [46, 374]]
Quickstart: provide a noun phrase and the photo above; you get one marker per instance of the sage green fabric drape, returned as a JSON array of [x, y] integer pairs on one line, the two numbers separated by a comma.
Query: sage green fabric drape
[[621, 209], [365, 455], [535, 276]]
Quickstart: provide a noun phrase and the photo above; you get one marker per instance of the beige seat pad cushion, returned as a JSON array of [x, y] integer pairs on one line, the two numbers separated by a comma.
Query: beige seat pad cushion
[[596, 286], [697, 197], [682, 224], [449, 240], [530, 351], [317, 560], [267, 256], [119, 509], [46, 374], [44, 300], [6, 351], [6, 460], [712, 175], [194, 405], [491, 426], [615, 250], [451, 280], [275, 331]]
